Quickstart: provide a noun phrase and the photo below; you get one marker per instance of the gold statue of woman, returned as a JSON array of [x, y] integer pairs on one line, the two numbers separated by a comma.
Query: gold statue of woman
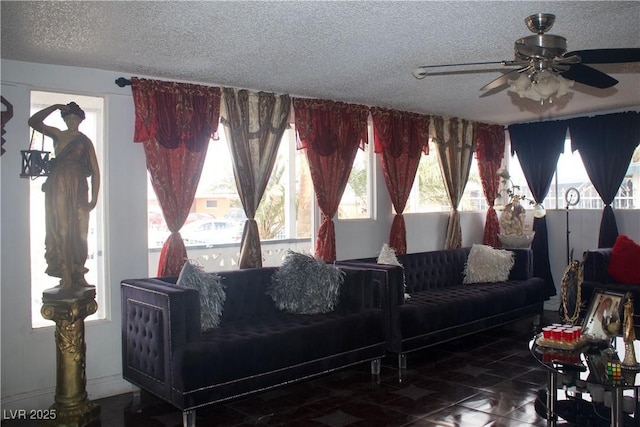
[[629, 333], [629, 330], [67, 205]]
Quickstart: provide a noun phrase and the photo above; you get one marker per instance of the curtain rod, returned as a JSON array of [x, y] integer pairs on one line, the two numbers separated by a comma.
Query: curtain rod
[[122, 82]]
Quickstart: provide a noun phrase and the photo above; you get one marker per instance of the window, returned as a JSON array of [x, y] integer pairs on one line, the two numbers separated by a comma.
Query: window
[[357, 196], [214, 227], [473, 197], [92, 127], [570, 172], [429, 194]]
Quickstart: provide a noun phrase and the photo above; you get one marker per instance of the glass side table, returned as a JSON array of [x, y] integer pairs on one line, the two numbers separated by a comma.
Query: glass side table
[[586, 370]]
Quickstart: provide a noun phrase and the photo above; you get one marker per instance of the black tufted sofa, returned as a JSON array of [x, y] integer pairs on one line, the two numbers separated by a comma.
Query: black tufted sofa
[[442, 308], [596, 278], [256, 346]]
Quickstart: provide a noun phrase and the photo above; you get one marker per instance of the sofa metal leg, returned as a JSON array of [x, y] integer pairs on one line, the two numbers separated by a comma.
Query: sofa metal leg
[[189, 418], [375, 366], [136, 399], [402, 365], [402, 361]]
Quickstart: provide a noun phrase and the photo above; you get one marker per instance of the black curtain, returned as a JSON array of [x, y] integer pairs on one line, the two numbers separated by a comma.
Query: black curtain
[[538, 146], [606, 144]]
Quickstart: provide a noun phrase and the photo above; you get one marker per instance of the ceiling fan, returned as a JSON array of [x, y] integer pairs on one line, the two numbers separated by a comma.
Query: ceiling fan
[[541, 58]]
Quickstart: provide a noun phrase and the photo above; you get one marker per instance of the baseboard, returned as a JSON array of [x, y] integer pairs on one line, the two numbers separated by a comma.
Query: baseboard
[[36, 399], [553, 304], [97, 388], [108, 386]]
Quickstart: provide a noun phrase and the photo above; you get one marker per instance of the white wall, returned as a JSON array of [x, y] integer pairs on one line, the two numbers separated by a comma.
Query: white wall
[[28, 357]]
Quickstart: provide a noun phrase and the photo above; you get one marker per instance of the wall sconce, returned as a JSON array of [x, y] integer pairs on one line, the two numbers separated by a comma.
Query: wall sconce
[[35, 163]]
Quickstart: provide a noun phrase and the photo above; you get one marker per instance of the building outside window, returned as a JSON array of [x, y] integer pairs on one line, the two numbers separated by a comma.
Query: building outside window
[[214, 226]]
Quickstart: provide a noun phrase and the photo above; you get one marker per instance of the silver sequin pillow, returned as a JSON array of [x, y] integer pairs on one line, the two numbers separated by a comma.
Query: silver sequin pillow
[[305, 285], [211, 290]]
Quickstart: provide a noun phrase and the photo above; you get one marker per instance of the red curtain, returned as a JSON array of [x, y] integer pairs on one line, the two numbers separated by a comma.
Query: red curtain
[[490, 142], [399, 138], [331, 132], [174, 121]]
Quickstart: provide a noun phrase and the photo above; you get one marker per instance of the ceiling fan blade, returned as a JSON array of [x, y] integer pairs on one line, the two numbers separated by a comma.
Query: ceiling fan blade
[[607, 56], [503, 79], [568, 60], [423, 71], [589, 76]]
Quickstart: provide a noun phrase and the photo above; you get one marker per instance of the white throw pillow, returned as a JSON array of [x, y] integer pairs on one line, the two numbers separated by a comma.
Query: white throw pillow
[[486, 264], [210, 288], [388, 257]]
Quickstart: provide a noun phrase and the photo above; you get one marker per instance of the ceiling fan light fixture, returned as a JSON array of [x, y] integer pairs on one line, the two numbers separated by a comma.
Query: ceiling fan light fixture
[[546, 84], [543, 86]]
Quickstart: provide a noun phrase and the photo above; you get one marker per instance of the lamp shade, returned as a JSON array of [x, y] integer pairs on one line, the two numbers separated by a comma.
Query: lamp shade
[[543, 85]]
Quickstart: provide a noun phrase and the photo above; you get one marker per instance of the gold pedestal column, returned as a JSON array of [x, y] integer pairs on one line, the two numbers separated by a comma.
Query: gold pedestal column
[[69, 309]]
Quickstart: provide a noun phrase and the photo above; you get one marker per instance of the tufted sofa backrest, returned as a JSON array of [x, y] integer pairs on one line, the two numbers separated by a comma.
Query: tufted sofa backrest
[[246, 294], [434, 269], [247, 298]]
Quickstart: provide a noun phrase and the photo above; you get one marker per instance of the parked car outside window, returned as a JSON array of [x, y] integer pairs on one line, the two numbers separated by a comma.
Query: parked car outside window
[[211, 232]]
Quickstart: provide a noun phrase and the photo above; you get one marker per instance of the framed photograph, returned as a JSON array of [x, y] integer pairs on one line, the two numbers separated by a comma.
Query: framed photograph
[[593, 326]]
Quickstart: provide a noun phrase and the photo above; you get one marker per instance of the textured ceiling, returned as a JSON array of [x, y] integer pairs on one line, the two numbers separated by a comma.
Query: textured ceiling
[[353, 51]]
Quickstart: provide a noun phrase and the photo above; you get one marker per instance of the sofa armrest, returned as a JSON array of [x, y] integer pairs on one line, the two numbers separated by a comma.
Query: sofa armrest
[[157, 318], [391, 278], [596, 264], [523, 265], [362, 290]]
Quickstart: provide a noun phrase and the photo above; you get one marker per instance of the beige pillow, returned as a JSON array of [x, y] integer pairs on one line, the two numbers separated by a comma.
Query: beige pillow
[[486, 264], [388, 257]]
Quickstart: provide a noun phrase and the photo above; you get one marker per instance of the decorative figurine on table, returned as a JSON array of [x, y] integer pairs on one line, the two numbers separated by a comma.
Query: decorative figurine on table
[[67, 205], [629, 334], [513, 232]]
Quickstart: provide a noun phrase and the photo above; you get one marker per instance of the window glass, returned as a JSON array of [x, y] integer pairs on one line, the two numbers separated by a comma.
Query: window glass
[[214, 227], [92, 126], [519, 182], [429, 194], [473, 197], [570, 172], [356, 199]]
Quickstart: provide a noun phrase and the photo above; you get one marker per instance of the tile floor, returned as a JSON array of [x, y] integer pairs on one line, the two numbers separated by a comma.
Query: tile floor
[[488, 379]]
